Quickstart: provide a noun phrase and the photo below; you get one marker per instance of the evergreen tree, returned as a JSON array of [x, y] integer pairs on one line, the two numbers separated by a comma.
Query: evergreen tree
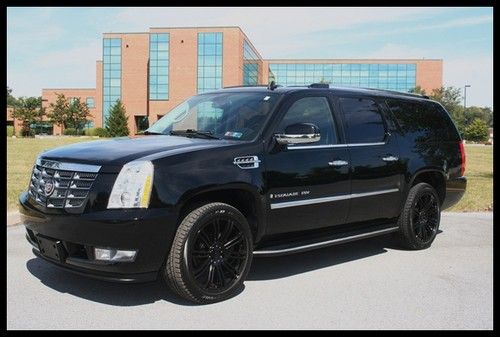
[[477, 131], [117, 122]]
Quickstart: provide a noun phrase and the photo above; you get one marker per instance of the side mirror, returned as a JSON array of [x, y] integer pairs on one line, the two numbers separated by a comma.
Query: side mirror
[[300, 133]]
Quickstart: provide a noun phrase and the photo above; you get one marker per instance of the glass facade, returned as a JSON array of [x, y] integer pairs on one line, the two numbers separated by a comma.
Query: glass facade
[[399, 77], [251, 65], [90, 102], [209, 61], [111, 70], [158, 66]]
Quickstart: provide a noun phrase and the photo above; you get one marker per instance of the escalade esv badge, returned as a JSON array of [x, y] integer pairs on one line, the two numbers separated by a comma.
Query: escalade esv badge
[[240, 173]]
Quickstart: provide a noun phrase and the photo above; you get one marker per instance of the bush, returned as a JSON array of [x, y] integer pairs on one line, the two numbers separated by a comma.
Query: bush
[[101, 132], [477, 131], [70, 132], [10, 131]]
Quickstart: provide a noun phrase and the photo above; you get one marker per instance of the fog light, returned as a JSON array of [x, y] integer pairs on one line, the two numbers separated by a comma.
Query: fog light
[[114, 255]]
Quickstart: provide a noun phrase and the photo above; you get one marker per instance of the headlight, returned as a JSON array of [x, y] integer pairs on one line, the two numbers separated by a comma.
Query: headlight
[[132, 188]]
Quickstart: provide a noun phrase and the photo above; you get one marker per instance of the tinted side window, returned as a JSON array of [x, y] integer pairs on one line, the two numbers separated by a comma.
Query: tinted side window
[[424, 118], [363, 119], [313, 110]]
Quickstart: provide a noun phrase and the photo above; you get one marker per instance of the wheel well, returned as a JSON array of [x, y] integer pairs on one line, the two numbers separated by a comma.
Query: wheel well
[[435, 179], [242, 200]]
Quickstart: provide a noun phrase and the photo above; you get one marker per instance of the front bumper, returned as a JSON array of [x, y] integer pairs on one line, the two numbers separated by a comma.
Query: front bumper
[[149, 231], [455, 190]]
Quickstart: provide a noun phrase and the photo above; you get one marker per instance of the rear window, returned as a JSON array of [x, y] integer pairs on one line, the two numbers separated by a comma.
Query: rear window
[[428, 119], [364, 123]]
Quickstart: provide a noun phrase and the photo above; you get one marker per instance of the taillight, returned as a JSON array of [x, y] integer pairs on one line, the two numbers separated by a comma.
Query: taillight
[[462, 155]]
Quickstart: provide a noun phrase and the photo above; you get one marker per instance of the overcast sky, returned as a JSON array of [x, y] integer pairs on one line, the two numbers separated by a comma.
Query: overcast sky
[[53, 47]]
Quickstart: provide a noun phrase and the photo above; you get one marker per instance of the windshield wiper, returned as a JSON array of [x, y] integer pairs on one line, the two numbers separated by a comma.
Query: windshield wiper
[[194, 133], [153, 133]]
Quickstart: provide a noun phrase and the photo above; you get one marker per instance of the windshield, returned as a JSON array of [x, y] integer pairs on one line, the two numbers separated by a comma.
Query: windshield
[[238, 116]]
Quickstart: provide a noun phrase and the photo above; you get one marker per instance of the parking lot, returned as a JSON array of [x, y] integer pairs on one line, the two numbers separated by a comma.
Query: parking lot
[[370, 284]]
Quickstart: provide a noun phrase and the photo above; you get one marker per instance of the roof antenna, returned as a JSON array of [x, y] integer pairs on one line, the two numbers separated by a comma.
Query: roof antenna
[[272, 86]]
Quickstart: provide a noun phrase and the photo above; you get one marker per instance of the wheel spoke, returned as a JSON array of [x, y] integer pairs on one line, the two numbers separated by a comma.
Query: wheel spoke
[[220, 275], [233, 241], [216, 229], [231, 269], [227, 231], [203, 236], [210, 277], [201, 270]]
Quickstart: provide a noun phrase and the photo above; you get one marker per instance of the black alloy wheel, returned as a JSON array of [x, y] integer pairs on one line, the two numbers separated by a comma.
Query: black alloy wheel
[[211, 254], [425, 217], [420, 217], [218, 254]]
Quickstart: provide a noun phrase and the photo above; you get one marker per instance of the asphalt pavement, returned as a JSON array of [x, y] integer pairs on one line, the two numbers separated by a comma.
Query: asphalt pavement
[[369, 284]]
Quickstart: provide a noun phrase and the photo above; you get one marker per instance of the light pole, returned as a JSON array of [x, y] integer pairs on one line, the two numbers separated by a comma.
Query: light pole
[[465, 96]]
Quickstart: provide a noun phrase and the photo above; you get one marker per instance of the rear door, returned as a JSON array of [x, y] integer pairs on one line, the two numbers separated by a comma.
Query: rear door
[[376, 169]]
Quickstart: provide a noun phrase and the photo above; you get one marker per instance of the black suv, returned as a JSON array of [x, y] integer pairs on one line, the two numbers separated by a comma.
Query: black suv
[[245, 171]]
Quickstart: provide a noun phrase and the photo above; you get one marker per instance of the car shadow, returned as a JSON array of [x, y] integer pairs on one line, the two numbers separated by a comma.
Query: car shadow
[[263, 268]]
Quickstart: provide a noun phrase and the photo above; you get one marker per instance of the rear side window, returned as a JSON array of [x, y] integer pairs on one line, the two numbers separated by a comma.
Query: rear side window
[[427, 119], [363, 119]]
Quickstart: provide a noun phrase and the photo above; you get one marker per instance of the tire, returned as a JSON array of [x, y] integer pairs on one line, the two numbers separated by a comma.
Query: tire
[[227, 251], [420, 217]]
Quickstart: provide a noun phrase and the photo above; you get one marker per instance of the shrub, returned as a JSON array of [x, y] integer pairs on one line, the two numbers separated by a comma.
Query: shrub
[[10, 131], [477, 131], [100, 132], [70, 132]]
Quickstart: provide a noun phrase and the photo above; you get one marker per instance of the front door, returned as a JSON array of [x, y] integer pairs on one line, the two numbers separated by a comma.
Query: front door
[[377, 171], [308, 184]]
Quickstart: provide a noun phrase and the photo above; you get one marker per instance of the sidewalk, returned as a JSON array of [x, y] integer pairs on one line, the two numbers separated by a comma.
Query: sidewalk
[[13, 218]]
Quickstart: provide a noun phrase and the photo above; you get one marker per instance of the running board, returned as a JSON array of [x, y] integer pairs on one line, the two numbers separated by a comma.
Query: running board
[[328, 241]]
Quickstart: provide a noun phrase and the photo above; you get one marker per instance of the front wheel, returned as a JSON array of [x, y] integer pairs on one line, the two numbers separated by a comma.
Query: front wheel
[[210, 255], [419, 220]]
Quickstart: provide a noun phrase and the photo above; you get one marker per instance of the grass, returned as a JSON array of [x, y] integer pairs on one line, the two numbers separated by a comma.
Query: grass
[[22, 152], [479, 172], [21, 155]]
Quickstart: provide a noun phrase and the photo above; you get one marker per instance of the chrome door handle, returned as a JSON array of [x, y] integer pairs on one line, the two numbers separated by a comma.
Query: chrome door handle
[[338, 163], [390, 158]]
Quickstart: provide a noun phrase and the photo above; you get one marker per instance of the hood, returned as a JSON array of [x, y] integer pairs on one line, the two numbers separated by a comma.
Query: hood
[[118, 151]]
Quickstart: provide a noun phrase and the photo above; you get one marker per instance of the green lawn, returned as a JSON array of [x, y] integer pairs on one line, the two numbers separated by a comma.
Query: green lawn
[[22, 152]]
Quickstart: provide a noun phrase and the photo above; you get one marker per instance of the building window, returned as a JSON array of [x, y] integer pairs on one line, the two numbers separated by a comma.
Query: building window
[[398, 77], [251, 65], [209, 61], [158, 66], [90, 102], [112, 66], [141, 123]]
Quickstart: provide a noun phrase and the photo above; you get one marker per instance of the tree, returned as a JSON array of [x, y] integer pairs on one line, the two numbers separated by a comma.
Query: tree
[[117, 122], [78, 114], [11, 100], [483, 113], [477, 131], [417, 90], [59, 111], [28, 110], [450, 98]]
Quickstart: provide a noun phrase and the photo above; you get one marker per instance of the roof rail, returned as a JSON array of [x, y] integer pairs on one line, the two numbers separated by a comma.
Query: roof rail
[[409, 94], [319, 85], [245, 85]]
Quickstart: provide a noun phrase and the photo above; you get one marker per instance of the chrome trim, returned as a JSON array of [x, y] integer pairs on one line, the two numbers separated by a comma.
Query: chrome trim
[[253, 161], [390, 158], [285, 139], [329, 199], [338, 163], [325, 243], [63, 166], [305, 147]]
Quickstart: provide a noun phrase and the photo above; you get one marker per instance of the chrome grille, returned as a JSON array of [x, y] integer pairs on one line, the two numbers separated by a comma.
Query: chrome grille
[[69, 183]]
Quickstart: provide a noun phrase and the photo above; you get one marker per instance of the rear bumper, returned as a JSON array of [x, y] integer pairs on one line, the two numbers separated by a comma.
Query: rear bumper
[[455, 190], [149, 231]]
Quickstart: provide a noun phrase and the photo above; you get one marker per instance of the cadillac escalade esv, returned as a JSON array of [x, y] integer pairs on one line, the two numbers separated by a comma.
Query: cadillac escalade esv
[[242, 172]]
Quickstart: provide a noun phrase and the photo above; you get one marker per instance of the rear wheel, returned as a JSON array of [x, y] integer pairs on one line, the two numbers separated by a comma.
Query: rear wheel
[[210, 255], [419, 220]]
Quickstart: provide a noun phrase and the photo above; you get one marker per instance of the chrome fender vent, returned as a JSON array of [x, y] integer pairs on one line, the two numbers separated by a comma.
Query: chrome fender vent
[[247, 162]]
